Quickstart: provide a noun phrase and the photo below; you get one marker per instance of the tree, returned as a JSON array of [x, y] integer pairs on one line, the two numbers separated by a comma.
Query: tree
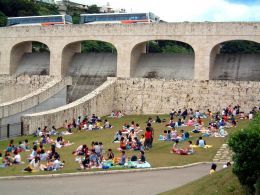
[[15, 8], [97, 46], [166, 46], [3, 19], [241, 47], [93, 9], [246, 146]]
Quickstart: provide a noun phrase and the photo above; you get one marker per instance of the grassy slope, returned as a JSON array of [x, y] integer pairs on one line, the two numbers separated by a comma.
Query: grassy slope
[[159, 156], [222, 182]]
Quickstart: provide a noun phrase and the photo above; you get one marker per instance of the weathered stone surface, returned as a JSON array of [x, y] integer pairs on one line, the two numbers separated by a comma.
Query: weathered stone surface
[[99, 102], [33, 98], [13, 87], [148, 96], [152, 96], [129, 41]]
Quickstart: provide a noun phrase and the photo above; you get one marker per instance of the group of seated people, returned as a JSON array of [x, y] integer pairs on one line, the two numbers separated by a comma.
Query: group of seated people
[[45, 131], [95, 157], [89, 157], [87, 123], [116, 114], [128, 137], [173, 135], [12, 153], [58, 142], [177, 150], [43, 160], [12, 156]]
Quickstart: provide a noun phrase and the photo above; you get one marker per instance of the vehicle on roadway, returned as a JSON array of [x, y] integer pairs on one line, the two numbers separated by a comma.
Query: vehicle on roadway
[[46, 20], [123, 18]]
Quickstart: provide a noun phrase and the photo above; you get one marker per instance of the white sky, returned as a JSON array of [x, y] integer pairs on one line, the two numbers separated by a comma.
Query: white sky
[[188, 10]]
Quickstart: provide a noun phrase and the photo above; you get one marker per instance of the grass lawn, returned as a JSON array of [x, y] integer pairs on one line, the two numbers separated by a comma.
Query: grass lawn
[[222, 182], [158, 156]]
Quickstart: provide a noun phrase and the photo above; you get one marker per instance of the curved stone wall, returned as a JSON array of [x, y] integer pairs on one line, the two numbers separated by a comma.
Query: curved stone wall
[[99, 101], [32, 99]]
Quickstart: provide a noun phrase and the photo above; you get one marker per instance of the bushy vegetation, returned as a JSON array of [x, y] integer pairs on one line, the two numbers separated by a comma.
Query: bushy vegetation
[[246, 146], [241, 47], [169, 47], [97, 47], [15, 8]]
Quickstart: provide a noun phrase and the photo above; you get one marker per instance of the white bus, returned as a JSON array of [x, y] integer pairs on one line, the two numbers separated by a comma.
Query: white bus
[[39, 20], [123, 18]]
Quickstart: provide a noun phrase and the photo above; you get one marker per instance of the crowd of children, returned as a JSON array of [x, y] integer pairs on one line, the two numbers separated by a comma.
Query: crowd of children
[[96, 157], [87, 123], [130, 137]]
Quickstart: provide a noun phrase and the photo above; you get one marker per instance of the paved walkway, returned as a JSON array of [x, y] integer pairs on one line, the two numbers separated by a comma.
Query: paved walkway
[[150, 182], [223, 155]]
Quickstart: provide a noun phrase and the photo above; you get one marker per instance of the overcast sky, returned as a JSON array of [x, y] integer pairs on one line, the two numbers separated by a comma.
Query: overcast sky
[[189, 10]]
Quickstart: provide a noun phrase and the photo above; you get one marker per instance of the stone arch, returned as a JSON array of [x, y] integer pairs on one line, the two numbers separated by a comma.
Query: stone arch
[[228, 64], [167, 64], [71, 50], [88, 63], [30, 57]]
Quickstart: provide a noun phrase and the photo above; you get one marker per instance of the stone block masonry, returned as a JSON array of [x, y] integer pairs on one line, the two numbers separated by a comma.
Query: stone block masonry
[[34, 98], [151, 96], [99, 101], [13, 87]]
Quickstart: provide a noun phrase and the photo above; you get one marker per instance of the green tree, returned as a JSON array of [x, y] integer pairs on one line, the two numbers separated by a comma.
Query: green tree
[[93, 9], [97, 46], [47, 9], [14, 8], [3, 19], [246, 147], [241, 47], [166, 46], [153, 47]]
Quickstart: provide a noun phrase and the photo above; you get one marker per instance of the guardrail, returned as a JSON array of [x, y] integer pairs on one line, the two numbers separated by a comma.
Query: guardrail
[[11, 130]]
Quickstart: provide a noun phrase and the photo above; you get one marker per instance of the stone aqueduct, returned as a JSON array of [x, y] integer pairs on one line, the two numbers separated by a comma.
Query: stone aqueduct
[[129, 40], [132, 95]]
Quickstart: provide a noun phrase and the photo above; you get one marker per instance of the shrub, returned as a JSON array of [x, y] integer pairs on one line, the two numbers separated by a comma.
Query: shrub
[[246, 147]]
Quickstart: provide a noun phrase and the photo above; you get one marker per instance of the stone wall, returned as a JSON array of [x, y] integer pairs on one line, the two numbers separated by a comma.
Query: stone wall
[[34, 98], [100, 102], [151, 96], [12, 87]]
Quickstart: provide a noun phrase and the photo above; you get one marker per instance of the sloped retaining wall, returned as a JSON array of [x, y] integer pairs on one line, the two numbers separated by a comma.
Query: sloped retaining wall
[[99, 101]]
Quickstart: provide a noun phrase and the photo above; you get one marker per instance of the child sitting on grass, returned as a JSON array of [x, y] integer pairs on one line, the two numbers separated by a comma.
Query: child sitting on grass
[[123, 158], [110, 154]]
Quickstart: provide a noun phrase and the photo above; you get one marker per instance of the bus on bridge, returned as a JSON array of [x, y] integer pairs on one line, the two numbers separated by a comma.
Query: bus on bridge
[[46, 20], [123, 18]]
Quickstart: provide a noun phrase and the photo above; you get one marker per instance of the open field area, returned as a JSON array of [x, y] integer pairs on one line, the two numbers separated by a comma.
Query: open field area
[[223, 182], [158, 156]]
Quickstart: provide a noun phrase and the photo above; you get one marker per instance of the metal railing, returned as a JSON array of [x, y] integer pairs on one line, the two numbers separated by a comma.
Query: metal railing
[[11, 130]]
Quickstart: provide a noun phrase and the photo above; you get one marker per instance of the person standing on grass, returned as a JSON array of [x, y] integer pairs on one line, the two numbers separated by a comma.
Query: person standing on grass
[[149, 125], [148, 138]]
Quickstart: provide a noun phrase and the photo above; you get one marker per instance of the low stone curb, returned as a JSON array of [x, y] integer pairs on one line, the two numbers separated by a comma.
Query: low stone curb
[[102, 172]]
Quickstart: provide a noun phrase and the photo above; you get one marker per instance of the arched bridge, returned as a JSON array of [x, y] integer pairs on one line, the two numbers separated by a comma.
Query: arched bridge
[[129, 40]]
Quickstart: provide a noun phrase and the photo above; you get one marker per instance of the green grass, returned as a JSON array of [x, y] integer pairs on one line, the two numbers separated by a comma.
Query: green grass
[[222, 182], [158, 156]]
